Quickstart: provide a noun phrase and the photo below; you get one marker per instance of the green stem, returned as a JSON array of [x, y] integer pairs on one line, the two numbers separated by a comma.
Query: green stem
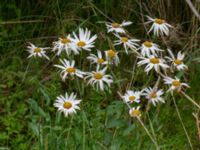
[[148, 133], [179, 116]]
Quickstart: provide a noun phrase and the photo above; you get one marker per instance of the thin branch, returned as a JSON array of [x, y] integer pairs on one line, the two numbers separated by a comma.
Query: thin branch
[[197, 124], [148, 133], [193, 8], [21, 22], [190, 99]]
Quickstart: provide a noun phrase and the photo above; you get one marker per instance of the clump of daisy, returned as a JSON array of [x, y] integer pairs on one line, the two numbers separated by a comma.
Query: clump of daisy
[[128, 43], [177, 62], [154, 95], [37, 51], [84, 40], [97, 59], [64, 44], [68, 104], [68, 69], [132, 96], [99, 78], [135, 112], [159, 26], [112, 57], [153, 63], [117, 27], [149, 48], [175, 84]]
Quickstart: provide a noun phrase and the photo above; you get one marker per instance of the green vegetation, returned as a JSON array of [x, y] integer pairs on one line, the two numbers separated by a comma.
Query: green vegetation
[[29, 87]]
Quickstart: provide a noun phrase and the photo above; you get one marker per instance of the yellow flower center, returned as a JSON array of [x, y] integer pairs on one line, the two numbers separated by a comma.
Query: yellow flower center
[[148, 44], [124, 39], [135, 113], [177, 61], [81, 44], [65, 40], [100, 60], [153, 95], [176, 83], [98, 75], [37, 50], [132, 98], [154, 60], [111, 53], [115, 25], [67, 105], [159, 21], [71, 70]]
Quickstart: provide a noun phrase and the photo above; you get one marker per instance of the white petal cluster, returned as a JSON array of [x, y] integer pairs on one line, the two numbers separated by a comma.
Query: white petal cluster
[[68, 69], [153, 62], [175, 84], [76, 47], [68, 104], [99, 79], [64, 44], [117, 27], [128, 43], [132, 96], [154, 95], [159, 26], [37, 51], [177, 62], [84, 40], [149, 48]]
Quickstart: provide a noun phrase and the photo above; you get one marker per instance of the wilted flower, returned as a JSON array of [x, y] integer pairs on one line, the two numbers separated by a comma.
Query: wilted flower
[[154, 95], [68, 69], [159, 26], [175, 84], [116, 27], [112, 57], [153, 62], [128, 43], [178, 61], [149, 48], [135, 112], [64, 44], [37, 51], [99, 60]]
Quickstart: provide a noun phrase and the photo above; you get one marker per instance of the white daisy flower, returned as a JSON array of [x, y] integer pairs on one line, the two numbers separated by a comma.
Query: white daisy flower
[[153, 62], [97, 59], [64, 44], [178, 61], [67, 104], [84, 40], [135, 112], [112, 57], [132, 96], [128, 43], [174, 83], [149, 48], [68, 69], [154, 95], [37, 51], [99, 78], [159, 26], [116, 27]]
